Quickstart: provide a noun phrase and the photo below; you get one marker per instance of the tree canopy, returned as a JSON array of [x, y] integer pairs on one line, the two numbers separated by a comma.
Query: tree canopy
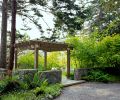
[[105, 15]]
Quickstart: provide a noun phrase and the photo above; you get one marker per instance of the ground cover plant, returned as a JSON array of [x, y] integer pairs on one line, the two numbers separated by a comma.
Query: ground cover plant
[[26, 61], [101, 76], [14, 89]]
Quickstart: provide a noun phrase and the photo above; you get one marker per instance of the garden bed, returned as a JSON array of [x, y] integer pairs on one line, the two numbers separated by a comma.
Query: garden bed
[[29, 84]]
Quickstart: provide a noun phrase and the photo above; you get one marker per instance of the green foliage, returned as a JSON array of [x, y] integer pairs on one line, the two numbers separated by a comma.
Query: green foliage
[[112, 28], [36, 82], [70, 17], [108, 51], [32, 82], [98, 76], [64, 74], [49, 91], [72, 75], [90, 52], [26, 61], [14, 83], [53, 90], [40, 90], [101, 76], [106, 16], [84, 50], [54, 60], [3, 83], [9, 84], [24, 86], [22, 37], [12, 89]]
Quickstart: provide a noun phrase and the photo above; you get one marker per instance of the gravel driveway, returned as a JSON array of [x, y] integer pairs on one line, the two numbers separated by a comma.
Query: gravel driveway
[[91, 91]]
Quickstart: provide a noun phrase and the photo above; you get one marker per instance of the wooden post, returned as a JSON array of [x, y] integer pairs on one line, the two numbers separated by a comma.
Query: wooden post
[[36, 58], [15, 62], [45, 60], [68, 63]]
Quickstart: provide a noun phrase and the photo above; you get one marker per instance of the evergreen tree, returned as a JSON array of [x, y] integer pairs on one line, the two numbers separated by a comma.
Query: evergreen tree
[[105, 15], [3, 35], [69, 15]]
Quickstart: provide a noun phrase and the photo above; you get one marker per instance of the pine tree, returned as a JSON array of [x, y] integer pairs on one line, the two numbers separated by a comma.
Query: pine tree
[[13, 34], [3, 35]]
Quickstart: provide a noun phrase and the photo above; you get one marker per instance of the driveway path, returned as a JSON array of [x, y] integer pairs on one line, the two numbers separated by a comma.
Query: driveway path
[[91, 91]]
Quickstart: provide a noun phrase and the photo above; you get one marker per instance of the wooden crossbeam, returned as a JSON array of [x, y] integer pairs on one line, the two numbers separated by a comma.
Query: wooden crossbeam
[[46, 46]]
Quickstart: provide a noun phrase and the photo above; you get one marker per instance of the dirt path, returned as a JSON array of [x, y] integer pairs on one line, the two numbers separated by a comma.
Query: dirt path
[[91, 91]]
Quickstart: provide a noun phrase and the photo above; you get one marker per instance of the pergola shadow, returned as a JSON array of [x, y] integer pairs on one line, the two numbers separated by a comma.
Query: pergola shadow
[[46, 46]]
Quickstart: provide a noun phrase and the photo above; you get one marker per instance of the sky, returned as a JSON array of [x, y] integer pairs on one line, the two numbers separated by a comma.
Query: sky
[[34, 32]]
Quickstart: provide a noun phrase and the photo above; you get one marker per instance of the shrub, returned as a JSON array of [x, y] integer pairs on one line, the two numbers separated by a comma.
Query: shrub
[[98, 76], [72, 75], [49, 91], [53, 90], [90, 52], [108, 51], [41, 90], [9, 85], [54, 60], [26, 61], [84, 51]]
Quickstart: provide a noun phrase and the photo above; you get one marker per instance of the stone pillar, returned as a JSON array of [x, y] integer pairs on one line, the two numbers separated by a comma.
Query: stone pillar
[[68, 62]]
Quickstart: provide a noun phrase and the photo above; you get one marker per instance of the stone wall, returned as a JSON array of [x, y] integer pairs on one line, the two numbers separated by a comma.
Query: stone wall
[[26, 74], [52, 76], [78, 73]]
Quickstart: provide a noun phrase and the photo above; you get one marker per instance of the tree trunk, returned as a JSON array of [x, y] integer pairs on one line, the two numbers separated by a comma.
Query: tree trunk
[[3, 35], [13, 32]]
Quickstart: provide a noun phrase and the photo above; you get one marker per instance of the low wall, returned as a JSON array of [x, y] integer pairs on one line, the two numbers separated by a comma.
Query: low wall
[[26, 74], [78, 73], [52, 76], [2, 73]]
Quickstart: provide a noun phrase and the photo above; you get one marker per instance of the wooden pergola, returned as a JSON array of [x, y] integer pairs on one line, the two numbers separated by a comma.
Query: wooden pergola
[[46, 46]]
